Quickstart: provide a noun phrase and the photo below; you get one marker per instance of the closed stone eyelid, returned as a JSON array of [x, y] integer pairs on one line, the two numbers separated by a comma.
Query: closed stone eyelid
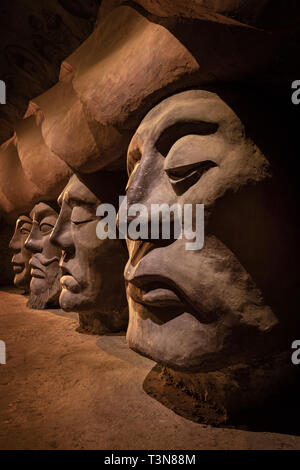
[[204, 165], [182, 178]]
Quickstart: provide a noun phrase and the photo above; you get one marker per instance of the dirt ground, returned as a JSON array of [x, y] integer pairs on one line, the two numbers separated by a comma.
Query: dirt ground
[[64, 390]]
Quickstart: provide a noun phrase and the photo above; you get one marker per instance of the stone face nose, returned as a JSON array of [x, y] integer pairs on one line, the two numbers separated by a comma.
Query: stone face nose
[[61, 233], [33, 243], [15, 243]]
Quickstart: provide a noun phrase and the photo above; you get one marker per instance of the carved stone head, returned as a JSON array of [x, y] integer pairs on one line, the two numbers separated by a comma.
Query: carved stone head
[[92, 269], [45, 271], [21, 257], [212, 307]]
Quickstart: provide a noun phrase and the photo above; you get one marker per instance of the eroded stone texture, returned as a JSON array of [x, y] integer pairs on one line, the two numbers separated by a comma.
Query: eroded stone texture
[[255, 13], [21, 257], [227, 303], [17, 193], [29, 171], [92, 269], [63, 124], [119, 73], [48, 172], [36, 37], [45, 271]]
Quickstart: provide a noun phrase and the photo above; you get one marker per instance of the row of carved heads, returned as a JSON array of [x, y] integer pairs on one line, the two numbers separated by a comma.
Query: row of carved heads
[[232, 302]]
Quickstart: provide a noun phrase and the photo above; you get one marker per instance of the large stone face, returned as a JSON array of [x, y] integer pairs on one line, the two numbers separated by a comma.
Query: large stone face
[[92, 269], [204, 309]]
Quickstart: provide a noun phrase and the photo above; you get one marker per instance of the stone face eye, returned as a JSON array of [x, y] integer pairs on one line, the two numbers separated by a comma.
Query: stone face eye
[[46, 228], [182, 178], [25, 228], [180, 173], [81, 215]]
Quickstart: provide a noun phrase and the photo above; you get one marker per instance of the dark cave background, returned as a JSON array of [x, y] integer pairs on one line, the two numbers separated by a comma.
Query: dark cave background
[[36, 36]]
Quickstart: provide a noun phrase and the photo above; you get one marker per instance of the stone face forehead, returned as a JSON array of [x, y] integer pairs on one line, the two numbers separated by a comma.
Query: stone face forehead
[[77, 191], [42, 210], [22, 219], [188, 106]]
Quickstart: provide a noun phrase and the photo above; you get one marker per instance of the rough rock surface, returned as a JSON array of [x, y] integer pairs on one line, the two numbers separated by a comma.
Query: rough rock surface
[[48, 172], [17, 192], [63, 390], [119, 73], [35, 38]]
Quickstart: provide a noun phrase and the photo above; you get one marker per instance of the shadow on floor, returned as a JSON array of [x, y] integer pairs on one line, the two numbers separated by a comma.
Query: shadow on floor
[[281, 414], [116, 346]]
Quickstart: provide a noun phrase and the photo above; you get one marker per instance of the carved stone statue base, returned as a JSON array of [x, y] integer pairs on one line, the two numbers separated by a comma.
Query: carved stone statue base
[[214, 397], [98, 323]]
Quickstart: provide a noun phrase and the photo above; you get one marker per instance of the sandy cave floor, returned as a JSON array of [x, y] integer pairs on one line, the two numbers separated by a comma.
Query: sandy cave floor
[[64, 390]]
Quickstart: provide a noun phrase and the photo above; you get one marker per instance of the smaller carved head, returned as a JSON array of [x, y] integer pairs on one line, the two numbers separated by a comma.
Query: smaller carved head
[[21, 257], [45, 271], [92, 269]]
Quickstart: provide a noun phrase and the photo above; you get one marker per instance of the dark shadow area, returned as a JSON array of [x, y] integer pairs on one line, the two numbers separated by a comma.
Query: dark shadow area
[[258, 223], [115, 345], [280, 414], [6, 271]]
